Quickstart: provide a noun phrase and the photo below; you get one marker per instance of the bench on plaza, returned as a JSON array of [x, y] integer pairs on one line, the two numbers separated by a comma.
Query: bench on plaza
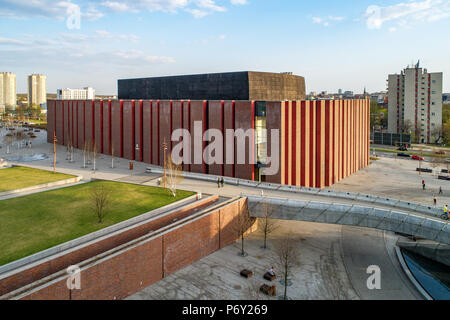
[[246, 273], [268, 290], [269, 277]]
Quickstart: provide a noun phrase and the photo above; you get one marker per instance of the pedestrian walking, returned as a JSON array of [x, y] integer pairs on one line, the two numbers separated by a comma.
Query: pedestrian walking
[[435, 201], [424, 186], [440, 191], [222, 182], [218, 183]]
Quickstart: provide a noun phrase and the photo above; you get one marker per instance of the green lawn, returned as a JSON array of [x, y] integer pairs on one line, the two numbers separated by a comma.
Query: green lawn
[[22, 177], [43, 220]]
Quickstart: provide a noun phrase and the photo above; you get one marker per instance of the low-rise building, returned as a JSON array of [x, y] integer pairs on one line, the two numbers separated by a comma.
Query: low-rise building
[[87, 93]]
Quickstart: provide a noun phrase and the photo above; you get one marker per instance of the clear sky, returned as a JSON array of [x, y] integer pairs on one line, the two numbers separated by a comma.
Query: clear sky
[[332, 43]]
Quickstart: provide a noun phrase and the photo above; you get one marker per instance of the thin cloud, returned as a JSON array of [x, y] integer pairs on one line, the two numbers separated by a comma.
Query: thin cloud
[[20, 9], [405, 14], [326, 21], [90, 10], [239, 2]]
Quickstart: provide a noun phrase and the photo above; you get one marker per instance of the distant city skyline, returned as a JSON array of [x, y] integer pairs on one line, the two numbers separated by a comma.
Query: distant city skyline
[[333, 44]]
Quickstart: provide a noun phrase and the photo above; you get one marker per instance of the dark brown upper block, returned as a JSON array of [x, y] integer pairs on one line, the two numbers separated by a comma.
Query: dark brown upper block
[[246, 85]]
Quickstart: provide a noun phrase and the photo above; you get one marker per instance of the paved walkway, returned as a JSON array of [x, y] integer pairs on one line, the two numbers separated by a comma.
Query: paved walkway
[[365, 247]]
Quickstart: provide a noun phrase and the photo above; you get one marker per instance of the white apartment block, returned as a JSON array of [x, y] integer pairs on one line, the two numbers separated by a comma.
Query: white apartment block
[[37, 89], [87, 93], [8, 96], [415, 97]]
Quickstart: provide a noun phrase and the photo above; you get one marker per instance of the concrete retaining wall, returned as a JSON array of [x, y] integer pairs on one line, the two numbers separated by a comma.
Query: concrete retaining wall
[[42, 186]]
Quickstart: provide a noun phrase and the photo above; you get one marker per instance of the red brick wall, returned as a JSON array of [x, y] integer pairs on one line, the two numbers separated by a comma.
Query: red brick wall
[[98, 115], [116, 128], [66, 122], [165, 129], [132, 270], [155, 133], [80, 122], [147, 131], [129, 143], [139, 130], [107, 127], [187, 126], [320, 142], [197, 114], [229, 123], [215, 120], [89, 126], [245, 119], [59, 126]]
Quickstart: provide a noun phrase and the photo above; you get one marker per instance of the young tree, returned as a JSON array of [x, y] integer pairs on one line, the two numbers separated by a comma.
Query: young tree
[[173, 176], [417, 133], [437, 134], [100, 201], [406, 126], [242, 223], [266, 223], [287, 258]]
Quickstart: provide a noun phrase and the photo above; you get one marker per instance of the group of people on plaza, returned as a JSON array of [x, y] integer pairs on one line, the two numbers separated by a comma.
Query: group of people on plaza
[[446, 208]]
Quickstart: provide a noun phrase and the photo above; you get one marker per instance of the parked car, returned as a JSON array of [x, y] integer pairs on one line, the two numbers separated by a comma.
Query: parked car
[[405, 155], [418, 158], [402, 148]]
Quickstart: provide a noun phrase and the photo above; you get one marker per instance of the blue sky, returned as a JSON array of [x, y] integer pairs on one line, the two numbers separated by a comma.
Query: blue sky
[[332, 43]]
